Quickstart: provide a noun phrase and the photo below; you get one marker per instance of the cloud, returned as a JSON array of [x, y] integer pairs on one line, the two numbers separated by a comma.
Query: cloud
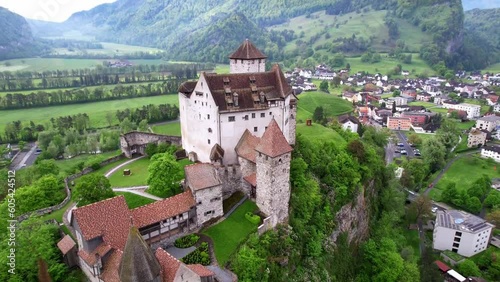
[[50, 10]]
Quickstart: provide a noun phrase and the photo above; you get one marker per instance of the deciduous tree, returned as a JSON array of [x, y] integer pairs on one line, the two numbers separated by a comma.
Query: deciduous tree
[[164, 175], [92, 188]]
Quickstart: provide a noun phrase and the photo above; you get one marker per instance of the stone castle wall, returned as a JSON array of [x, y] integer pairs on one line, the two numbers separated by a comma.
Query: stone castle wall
[[141, 139], [232, 180]]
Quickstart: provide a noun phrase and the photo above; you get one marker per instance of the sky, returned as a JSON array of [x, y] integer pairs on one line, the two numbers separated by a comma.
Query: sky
[[50, 10]]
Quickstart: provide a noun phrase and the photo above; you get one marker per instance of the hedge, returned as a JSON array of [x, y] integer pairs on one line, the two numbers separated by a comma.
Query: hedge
[[199, 256], [186, 241], [255, 219]]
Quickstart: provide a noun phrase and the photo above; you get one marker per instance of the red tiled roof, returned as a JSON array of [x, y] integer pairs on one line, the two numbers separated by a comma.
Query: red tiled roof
[[273, 143], [187, 87], [102, 250], [200, 176], [247, 51], [109, 218], [110, 272], [168, 263], [200, 270], [161, 210], [246, 146], [442, 266], [272, 83], [252, 179], [493, 98], [66, 244]]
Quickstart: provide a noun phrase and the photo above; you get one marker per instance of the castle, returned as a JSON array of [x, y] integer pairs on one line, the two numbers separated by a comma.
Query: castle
[[239, 129]]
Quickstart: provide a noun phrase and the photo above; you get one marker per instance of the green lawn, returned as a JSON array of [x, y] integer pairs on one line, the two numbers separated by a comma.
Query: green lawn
[[96, 111], [332, 105], [464, 172], [465, 125], [319, 132], [221, 69], [173, 129], [418, 66], [134, 200], [138, 177], [493, 68], [87, 159], [422, 103], [229, 234]]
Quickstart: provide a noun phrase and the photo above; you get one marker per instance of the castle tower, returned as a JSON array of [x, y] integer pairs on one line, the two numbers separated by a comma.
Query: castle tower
[[138, 262], [292, 121], [273, 174], [247, 59]]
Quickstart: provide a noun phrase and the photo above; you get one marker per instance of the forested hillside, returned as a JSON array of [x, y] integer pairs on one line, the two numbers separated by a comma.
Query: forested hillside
[[16, 39], [485, 24], [480, 4]]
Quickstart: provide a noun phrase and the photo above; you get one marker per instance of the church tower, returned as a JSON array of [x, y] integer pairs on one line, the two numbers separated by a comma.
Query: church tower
[[273, 157], [247, 59]]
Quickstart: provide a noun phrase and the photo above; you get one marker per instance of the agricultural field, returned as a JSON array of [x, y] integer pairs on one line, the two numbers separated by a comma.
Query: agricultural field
[[332, 105], [51, 64], [464, 172], [108, 49], [171, 128], [363, 25], [96, 111], [417, 66]]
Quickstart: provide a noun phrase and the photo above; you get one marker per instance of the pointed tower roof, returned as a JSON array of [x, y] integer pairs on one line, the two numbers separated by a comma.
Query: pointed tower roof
[[138, 261], [273, 143], [247, 51]]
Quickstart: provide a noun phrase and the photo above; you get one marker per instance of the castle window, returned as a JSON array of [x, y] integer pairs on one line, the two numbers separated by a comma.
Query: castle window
[[253, 115], [262, 115], [208, 141], [245, 117], [199, 203], [209, 130], [270, 113], [208, 212], [199, 116], [231, 119], [208, 116], [255, 129], [279, 161]]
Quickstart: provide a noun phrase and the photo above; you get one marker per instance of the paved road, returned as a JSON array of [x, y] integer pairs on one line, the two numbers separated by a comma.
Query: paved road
[[120, 166], [25, 158], [402, 139], [134, 190]]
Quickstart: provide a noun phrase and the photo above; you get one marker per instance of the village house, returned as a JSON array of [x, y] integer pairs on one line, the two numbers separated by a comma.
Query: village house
[[349, 122], [461, 232], [399, 123], [417, 119], [473, 111], [488, 123], [425, 97], [353, 97], [491, 152], [477, 137], [492, 99]]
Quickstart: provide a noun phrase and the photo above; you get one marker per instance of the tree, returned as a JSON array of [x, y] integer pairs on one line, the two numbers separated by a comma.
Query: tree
[[421, 207], [22, 145], [110, 118], [394, 107], [469, 268], [493, 199], [151, 149], [143, 126], [164, 175], [318, 115], [126, 126], [336, 81], [414, 139], [92, 188], [323, 86], [494, 217], [433, 153], [348, 66]]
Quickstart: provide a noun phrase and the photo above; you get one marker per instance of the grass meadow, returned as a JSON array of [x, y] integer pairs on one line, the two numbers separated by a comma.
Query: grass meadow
[[173, 129], [317, 132], [332, 105], [229, 234], [138, 177], [96, 111]]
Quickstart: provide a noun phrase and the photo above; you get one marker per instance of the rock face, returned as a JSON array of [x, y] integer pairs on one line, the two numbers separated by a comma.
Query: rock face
[[16, 39], [354, 218]]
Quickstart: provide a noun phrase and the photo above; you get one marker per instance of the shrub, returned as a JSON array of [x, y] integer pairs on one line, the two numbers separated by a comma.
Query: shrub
[[255, 219], [95, 166], [199, 256], [186, 241]]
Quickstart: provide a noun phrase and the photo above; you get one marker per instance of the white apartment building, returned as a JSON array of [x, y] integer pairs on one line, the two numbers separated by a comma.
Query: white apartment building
[[488, 123], [461, 232], [473, 111], [491, 152]]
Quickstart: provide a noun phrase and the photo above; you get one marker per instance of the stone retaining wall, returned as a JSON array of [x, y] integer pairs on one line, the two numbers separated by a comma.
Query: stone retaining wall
[[67, 182]]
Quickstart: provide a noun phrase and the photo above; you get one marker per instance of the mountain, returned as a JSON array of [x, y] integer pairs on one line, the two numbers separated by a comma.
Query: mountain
[[485, 24], [16, 39], [480, 4]]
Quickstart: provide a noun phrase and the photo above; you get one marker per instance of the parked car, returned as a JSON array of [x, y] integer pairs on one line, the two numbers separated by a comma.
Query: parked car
[[397, 152], [401, 144], [403, 152], [434, 209]]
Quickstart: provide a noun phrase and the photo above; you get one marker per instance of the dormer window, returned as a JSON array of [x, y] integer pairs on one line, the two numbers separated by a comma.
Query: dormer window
[[226, 80], [262, 97], [235, 99], [252, 79]]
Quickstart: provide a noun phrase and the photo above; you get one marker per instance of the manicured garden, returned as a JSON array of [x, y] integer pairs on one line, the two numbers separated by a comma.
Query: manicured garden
[[138, 174], [464, 172], [134, 200], [233, 231]]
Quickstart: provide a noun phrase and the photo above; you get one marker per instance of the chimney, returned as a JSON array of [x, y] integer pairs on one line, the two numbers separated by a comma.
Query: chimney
[[235, 99]]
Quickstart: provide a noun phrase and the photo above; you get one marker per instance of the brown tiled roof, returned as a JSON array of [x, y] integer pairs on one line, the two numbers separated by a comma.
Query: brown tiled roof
[[247, 51], [216, 153], [273, 143], [66, 244], [346, 118], [168, 263], [110, 271], [161, 210], [246, 146], [201, 270], [249, 86], [187, 87], [90, 259], [201, 176], [252, 179], [109, 218]]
